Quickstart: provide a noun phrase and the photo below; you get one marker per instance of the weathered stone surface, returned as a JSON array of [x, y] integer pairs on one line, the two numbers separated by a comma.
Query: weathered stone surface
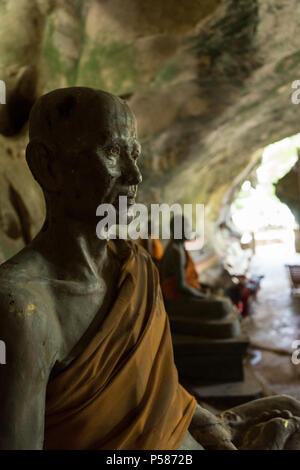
[[21, 202], [288, 190], [209, 81]]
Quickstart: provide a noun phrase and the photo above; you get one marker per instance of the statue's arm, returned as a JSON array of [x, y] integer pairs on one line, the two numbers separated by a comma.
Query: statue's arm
[[23, 378], [179, 268], [210, 431]]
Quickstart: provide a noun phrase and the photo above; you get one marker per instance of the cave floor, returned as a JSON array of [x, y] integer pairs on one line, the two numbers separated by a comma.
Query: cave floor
[[274, 322], [272, 326]]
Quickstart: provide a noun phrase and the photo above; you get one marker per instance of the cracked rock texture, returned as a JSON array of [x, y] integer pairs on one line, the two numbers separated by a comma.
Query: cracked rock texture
[[209, 80]]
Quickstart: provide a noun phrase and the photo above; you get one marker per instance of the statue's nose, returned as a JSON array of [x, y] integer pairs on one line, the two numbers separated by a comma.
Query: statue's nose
[[132, 175]]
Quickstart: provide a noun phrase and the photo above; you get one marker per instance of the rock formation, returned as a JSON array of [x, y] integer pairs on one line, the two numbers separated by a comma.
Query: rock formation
[[209, 80]]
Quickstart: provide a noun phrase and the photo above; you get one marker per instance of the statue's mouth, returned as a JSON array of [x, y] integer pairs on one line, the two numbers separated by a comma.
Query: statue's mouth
[[130, 195], [124, 205], [131, 200]]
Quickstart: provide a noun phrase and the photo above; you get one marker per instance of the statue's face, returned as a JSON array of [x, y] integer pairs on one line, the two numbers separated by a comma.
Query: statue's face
[[105, 168]]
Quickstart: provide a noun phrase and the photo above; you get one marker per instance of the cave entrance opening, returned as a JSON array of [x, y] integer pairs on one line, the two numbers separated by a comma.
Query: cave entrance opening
[[268, 228], [266, 223]]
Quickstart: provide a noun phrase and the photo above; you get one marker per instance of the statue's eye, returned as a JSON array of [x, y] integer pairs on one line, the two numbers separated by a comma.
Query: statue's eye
[[135, 154], [113, 151]]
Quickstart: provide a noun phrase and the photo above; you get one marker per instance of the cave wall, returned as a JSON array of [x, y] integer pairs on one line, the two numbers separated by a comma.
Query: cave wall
[[287, 189], [209, 81]]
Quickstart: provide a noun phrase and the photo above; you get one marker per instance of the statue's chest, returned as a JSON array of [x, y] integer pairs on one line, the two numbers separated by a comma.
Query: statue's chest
[[79, 316]]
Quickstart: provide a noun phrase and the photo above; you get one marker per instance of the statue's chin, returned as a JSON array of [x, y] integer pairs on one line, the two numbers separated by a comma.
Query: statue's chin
[[124, 218], [121, 229], [119, 232]]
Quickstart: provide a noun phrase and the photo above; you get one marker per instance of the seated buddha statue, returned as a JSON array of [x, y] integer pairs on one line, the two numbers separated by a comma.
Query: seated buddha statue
[[201, 313]]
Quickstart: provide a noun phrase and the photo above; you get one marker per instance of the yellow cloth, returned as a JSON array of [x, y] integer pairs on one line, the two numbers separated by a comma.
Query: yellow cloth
[[122, 392]]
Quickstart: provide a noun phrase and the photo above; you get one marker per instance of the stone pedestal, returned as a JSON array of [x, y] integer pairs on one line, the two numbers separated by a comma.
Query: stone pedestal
[[210, 354], [228, 327], [227, 394], [210, 360], [214, 370]]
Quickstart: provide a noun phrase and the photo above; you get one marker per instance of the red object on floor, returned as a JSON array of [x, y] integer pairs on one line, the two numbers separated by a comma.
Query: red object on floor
[[241, 293]]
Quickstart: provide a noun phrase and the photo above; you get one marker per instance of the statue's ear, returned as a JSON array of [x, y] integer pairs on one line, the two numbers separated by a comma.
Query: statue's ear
[[40, 159]]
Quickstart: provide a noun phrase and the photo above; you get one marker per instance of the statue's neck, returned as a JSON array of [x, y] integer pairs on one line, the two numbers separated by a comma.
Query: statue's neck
[[72, 245]]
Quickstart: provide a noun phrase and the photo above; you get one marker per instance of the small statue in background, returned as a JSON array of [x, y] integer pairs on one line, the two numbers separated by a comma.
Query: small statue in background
[[216, 316]]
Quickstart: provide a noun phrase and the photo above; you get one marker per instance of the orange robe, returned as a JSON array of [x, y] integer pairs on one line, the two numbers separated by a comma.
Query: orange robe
[[123, 392], [156, 248], [169, 285]]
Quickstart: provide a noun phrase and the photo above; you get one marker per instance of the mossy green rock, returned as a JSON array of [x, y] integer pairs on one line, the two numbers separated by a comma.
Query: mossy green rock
[[209, 81]]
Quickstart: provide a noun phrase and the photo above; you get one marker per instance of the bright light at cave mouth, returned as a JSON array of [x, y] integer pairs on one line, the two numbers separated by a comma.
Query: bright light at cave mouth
[[257, 210]]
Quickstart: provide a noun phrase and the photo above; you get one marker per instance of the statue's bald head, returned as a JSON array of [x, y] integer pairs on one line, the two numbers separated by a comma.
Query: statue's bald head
[[83, 145], [68, 117]]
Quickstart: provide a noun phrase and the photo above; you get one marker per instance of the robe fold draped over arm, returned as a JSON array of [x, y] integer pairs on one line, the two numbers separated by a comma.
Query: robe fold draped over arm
[[122, 391]]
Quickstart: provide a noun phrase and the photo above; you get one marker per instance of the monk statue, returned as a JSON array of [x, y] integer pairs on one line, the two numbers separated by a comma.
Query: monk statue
[[203, 315], [89, 352]]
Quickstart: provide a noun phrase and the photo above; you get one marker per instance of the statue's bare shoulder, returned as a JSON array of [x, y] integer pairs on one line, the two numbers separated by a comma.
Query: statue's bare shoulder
[[27, 329], [25, 306]]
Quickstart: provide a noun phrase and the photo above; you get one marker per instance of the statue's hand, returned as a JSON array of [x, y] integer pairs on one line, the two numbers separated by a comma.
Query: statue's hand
[[275, 434], [193, 292], [202, 295], [264, 424], [209, 431]]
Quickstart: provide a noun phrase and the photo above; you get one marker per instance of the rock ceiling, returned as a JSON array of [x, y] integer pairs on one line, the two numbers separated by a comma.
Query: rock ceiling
[[209, 81]]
